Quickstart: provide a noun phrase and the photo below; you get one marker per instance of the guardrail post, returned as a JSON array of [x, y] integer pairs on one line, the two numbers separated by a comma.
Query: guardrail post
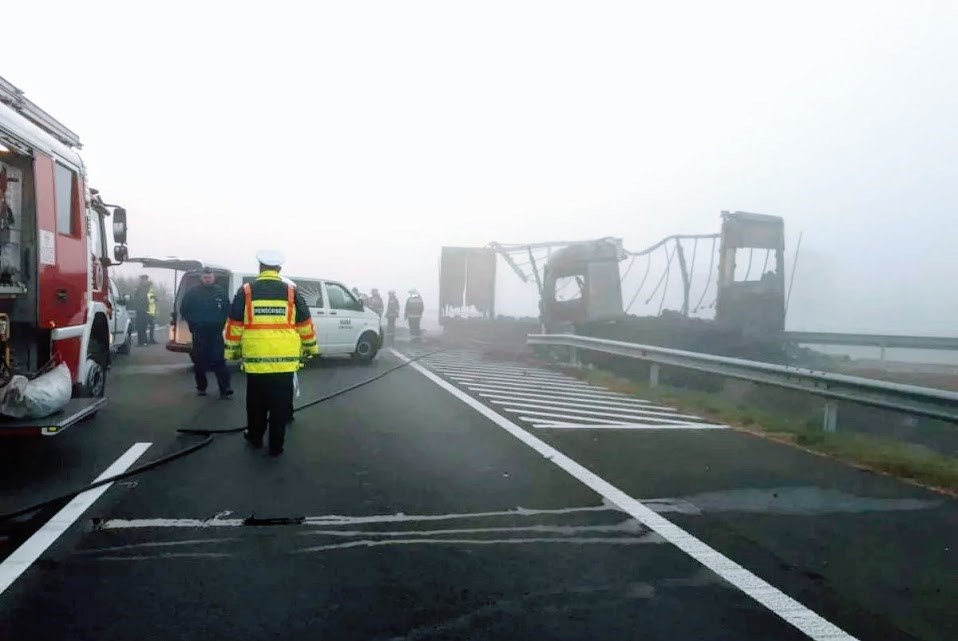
[[574, 357], [654, 375], [881, 356], [831, 416]]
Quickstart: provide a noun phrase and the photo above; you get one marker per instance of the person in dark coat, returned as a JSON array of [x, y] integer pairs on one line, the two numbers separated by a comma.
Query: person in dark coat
[[376, 302], [205, 309], [413, 313], [392, 313]]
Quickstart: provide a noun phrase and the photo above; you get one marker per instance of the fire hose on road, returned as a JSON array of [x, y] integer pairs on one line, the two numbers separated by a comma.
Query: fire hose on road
[[208, 433]]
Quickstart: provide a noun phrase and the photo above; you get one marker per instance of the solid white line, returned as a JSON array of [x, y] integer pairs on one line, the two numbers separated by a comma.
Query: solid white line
[[808, 622], [589, 411], [21, 559], [623, 402]]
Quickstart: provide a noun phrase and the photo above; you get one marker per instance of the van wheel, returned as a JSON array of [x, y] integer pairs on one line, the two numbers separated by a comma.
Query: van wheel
[[366, 347], [127, 343]]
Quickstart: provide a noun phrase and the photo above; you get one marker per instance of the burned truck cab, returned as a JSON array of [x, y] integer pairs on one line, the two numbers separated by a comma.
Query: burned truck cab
[[751, 282], [581, 283]]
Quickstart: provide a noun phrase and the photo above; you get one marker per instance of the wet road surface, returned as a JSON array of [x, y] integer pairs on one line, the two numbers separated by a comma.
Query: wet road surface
[[410, 509]]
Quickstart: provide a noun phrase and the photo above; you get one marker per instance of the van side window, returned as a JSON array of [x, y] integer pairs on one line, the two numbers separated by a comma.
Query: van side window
[[311, 292], [64, 182], [339, 298]]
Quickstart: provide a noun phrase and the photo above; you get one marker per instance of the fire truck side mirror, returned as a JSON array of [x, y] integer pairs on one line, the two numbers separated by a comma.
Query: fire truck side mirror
[[121, 254], [119, 225]]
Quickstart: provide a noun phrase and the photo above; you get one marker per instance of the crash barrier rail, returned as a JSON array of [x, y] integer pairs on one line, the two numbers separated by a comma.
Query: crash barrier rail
[[881, 341], [910, 399]]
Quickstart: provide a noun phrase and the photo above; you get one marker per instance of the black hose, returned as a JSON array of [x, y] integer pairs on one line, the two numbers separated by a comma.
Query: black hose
[[112, 479], [195, 447]]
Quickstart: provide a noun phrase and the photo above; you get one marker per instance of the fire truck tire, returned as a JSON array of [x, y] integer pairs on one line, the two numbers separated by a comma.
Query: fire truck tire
[[97, 361]]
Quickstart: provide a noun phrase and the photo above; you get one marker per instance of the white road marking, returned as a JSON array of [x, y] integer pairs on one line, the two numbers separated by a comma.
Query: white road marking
[[166, 555], [339, 519], [631, 526], [609, 419], [804, 619], [591, 411], [492, 387], [620, 540], [24, 556], [466, 371], [599, 402], [465, 362], [548, 425], [155, 544], [506, 382]]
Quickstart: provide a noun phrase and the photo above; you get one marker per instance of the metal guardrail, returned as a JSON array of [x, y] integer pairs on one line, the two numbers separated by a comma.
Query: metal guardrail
[[883, 341], [911, 399]]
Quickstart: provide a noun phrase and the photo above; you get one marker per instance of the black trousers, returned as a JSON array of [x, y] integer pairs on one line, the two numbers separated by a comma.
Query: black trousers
[[414, 326], [390, 324], [141, 325], [269, 401], [208, 356], [145, 325]]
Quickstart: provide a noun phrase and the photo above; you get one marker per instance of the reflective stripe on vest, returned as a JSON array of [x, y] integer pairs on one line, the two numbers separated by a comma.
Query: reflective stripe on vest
[[269, 346]]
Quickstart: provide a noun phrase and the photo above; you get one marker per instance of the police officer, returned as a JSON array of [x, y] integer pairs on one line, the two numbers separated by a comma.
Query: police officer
[[204, 309], [271, 329], [144, 302]]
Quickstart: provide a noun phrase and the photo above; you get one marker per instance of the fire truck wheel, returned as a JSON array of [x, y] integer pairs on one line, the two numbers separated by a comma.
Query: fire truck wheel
[[95, 384]]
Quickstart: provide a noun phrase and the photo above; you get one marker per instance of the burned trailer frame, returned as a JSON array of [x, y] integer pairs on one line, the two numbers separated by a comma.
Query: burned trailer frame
[[752, 300], [467, 284], [581, 283]]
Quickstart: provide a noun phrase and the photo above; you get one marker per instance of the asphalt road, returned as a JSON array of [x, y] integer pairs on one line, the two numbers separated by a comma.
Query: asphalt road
[[465, 498]]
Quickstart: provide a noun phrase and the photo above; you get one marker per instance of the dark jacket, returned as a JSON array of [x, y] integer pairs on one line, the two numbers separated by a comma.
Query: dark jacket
[[205, 305], [414, 307], [376, 304], [392, 310]]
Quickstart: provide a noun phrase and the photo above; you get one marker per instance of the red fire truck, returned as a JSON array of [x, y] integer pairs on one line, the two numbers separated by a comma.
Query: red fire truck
[[54, 285]]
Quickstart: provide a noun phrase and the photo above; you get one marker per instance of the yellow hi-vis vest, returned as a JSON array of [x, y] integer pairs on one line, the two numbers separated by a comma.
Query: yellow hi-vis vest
[[269, 328], [151, 301]]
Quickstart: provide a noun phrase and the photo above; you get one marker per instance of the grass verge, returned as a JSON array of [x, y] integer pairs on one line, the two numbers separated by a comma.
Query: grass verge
[[906, 461]]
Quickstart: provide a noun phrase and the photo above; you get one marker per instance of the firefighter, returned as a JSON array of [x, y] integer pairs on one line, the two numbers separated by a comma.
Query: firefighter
[[392, 313], [144, 302], [271, 330], [376, 302], [205, 309], [413, 313]]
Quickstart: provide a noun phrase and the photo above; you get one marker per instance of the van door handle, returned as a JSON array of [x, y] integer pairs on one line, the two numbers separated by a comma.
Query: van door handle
[[332, 313], [61, 294]]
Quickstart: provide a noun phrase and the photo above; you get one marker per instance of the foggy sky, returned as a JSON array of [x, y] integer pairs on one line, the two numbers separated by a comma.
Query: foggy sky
[[360, 137]]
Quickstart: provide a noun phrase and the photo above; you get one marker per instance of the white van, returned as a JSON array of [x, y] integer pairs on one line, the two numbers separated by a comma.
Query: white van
[[343, 325]]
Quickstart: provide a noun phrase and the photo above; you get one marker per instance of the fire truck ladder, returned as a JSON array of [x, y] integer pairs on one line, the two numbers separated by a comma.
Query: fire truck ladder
[[14, 98]]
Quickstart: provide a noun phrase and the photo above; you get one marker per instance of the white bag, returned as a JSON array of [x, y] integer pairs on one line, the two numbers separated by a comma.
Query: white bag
[[296, 384], [43, 396]]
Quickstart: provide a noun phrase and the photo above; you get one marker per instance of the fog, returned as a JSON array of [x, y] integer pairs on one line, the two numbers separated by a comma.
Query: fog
[[361, 137]]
